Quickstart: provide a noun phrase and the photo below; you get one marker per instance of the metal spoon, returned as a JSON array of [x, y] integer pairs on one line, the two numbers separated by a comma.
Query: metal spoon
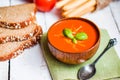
[[88, 71]]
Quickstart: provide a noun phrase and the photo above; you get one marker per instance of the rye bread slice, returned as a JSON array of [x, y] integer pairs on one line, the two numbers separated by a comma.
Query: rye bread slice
[[11, 35], [12, 49], [17, 16]]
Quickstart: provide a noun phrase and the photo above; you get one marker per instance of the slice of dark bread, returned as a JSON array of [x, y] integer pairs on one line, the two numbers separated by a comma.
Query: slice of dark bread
[[12, 49], [17, 16], [11, 35]]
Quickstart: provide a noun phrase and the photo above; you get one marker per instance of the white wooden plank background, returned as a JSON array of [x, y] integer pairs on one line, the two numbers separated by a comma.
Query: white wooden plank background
[[4, 70], [31, 65], [115, 12], [115, 8]]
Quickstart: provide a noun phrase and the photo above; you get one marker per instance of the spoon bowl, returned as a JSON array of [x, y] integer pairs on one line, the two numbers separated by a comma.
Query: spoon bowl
[[88, 71]]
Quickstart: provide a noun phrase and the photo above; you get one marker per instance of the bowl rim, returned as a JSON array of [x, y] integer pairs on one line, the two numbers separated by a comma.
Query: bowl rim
[[77, 18]]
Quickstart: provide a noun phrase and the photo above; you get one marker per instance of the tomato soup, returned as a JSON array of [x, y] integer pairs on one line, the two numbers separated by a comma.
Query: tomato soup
[[60, 42]]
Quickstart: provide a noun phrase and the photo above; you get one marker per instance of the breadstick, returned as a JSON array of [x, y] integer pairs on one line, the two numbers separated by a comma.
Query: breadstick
[[71, 6], [82, 8], [67, 12], [61, 3], [90, 9], [74, 4]]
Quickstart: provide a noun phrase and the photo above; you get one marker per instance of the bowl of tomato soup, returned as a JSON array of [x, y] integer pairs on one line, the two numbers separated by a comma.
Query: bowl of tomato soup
[[73, 40]]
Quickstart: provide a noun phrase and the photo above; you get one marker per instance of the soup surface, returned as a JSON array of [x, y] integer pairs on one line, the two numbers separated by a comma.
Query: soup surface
[[59, 41]]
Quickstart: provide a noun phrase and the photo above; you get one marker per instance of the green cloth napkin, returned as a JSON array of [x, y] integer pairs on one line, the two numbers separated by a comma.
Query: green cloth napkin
[[108, 67]]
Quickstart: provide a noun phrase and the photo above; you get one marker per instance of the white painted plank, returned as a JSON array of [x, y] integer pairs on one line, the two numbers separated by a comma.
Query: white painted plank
[[4, 65], [4, 70], [41, 20], [51, 17], [4, 3], [30, 65], [115, 6]]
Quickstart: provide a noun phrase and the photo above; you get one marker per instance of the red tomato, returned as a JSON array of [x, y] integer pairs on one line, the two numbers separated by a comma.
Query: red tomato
[[45, 5]]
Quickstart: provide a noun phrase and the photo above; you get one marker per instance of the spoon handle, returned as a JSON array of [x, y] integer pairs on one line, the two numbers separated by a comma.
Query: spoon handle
[[110, 44]]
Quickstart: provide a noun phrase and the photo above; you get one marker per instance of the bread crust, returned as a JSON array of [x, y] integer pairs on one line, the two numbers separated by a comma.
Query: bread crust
[[24, 45], [13, 38], [20, 24]]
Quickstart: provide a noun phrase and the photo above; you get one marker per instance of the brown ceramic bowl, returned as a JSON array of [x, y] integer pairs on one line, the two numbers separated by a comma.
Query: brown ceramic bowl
[[62, 47]]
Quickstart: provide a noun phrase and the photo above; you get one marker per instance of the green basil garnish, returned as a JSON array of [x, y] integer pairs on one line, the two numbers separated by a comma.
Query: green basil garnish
[[68, 33], [81, 36]]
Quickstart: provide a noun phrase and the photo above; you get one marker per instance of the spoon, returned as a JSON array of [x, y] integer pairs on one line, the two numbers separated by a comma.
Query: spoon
[[88, 71]]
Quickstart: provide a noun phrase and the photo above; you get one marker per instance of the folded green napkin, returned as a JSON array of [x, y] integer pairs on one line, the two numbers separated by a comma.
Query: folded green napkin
[[108, 67]]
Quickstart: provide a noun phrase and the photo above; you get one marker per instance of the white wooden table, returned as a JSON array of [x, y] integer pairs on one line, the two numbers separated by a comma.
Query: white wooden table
[[31, 64]]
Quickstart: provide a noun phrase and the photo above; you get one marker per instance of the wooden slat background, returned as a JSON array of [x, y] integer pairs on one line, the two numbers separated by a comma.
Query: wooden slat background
[[31, 64]]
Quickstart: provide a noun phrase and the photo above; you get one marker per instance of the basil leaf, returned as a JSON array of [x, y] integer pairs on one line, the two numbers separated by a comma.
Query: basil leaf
[[81, 36], [68, 33]]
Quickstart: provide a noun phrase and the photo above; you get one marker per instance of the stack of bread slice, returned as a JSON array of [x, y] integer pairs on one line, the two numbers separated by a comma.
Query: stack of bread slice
[[18, 29]]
